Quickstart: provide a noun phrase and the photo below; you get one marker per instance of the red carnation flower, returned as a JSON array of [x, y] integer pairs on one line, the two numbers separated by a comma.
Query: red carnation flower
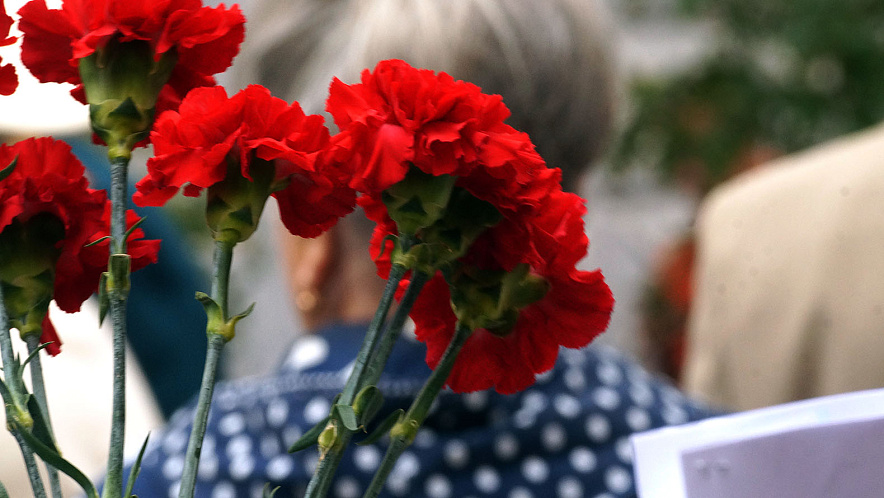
[[399, 117], [47, 188], [195, 147], [574, 310], [8, 78], [203, 39]]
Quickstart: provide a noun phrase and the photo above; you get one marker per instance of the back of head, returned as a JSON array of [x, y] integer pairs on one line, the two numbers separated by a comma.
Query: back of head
[[549, 59]]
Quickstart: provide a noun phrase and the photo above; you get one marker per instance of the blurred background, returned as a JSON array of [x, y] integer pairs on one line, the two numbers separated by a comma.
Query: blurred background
[[712, 89]]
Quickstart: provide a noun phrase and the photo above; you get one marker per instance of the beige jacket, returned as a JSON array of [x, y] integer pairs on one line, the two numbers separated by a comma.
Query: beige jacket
[[790, 279]]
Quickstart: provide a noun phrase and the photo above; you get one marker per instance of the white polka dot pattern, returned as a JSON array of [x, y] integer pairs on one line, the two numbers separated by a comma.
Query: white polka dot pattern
[[565, 437]]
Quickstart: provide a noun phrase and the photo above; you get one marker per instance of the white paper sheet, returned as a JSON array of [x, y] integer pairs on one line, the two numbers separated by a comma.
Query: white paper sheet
[[658, 454]]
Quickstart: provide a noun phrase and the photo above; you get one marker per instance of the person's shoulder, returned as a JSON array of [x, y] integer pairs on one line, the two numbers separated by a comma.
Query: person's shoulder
[[797, 178], [601, 382]]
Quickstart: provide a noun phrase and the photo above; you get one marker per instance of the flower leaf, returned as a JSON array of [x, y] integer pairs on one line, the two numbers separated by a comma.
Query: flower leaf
[[347, 416], [52, 457], [136, 467], [367, 404], [266, 492], [309, 438], [97, 241], [383, 428], [103, 299], [134, 227], [41, 429], [8, 169]]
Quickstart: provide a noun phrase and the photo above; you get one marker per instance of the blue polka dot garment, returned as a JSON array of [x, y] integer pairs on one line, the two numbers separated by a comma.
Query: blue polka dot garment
[[567, 436]]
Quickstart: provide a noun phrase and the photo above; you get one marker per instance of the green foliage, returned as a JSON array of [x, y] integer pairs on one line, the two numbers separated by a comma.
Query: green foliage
[[785, 76]]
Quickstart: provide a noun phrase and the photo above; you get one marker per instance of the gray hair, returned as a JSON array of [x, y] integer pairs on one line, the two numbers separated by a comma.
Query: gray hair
[[549, 59]]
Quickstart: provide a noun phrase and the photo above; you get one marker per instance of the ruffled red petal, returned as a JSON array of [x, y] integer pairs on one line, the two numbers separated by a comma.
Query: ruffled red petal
[[192, 144], [205, 39]]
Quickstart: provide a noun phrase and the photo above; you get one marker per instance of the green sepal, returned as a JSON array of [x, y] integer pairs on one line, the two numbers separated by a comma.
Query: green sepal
[[418, 200], [309, 438], [3, 493], [41, 429], [5, 172], [367, 404], [136, 468], [54, 459], [266, 492], [126, 110], [384, 427], [347, 416], [103, 299]]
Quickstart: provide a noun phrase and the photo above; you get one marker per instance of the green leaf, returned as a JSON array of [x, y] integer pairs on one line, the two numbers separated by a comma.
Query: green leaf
[[392, 238], [309, 438], [136, 467], [134, 227], [5, 172], [35, 352], [103, 299], [347, 416], [240, 316], [3, 493], [41, 428], [383, 428], [367, 404], [53, 458], [97, 241], [266, 492]]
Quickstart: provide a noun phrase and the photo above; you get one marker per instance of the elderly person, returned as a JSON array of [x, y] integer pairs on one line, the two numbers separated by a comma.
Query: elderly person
[[567, 435]]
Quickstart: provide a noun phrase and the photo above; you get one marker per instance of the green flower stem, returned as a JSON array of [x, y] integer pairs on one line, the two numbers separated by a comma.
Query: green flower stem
[[39, 388], [9, 362], [221, 261], [403, 433], [201, 417], [222, 258], [118, 291], [31, 465], [361, 367], [388, 340], [328, 463]]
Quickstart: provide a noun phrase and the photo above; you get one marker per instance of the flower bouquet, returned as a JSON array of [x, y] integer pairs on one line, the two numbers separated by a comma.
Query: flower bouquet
[[474, 235]]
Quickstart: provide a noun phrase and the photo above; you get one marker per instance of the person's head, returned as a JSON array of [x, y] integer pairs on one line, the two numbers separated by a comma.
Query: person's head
[[550, 60]]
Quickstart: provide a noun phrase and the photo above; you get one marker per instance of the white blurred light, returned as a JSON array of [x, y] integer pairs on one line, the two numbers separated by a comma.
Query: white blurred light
[[37, 108]]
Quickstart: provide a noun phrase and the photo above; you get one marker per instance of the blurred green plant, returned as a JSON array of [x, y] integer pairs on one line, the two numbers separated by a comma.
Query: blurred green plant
[[783, 76]]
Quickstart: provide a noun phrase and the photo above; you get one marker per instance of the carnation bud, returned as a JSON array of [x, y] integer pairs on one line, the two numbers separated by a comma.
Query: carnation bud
[[235, 204], [28, 253], [122, 82], [492, 300], [448, 238], [418, 200]]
